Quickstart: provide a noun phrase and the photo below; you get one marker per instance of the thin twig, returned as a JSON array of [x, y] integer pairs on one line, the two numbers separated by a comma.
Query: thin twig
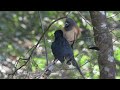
[[90, 24], [69, 13], [48, 70], [30, 56], [93, 27], [46, 55], [75, 68], [113, 16]]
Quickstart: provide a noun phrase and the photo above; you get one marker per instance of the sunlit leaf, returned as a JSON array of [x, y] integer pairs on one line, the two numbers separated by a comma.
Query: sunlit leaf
[[40, 62], [76, 52], [10, 46], [84, 58], [50, 33], [117, 54], [33, 68]]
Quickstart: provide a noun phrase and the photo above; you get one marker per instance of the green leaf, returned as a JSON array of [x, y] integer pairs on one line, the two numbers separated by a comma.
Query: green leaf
[[84, 58], [50, 33], [76, 52], [33, 68], [40, 62], [117, 54], [10, 47]]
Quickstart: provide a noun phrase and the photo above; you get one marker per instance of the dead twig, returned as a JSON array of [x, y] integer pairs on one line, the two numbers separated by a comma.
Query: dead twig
[[48, 70]]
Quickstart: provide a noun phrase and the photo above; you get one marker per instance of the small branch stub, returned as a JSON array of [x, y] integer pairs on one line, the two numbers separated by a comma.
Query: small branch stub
[[48, 70]]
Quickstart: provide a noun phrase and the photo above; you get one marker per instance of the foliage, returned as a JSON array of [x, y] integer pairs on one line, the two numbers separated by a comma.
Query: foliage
[[20, 31]]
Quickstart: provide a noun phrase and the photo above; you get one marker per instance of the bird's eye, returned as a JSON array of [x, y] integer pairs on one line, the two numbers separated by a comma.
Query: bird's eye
[[66, 24]]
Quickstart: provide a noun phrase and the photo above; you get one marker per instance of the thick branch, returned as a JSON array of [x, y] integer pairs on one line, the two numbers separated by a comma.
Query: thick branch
[[103, 41]]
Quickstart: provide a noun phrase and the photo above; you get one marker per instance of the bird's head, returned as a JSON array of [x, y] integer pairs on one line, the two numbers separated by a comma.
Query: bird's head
[[58, 33], [69, 24]]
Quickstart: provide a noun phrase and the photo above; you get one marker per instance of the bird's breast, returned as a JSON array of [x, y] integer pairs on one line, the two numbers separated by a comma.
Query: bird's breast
[[72, 34]]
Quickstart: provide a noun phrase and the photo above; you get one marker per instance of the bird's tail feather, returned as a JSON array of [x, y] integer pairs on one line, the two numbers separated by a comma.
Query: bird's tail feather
[[74, 63]]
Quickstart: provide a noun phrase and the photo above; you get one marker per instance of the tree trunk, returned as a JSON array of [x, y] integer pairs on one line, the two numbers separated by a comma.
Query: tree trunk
[[103, 40]]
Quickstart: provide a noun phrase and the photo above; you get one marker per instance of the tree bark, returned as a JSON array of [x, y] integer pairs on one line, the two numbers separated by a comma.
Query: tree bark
[[103, 40]]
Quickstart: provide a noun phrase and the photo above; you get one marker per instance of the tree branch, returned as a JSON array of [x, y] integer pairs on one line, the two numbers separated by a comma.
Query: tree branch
[[34, 47]]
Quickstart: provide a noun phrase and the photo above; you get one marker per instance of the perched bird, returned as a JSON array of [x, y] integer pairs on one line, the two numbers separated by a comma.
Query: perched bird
[[71, 31], [62, 50]]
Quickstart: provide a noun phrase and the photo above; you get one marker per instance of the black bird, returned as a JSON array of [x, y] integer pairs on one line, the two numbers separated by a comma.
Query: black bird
[[62, 50]]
